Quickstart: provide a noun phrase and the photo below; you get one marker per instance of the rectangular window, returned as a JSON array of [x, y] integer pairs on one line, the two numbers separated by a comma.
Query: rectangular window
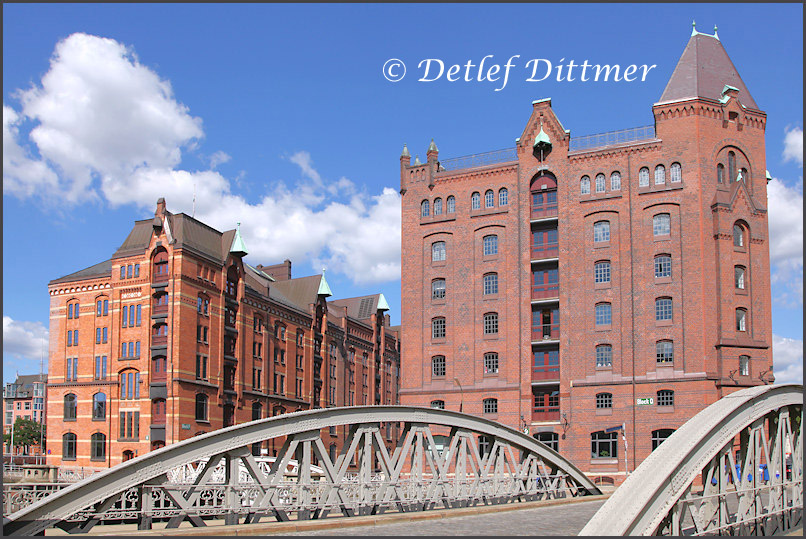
[[438, 328], [663, 309], [491, 284], [490, 245], [123, 272], [664, 352], [139, 313], [603, 314], [601, 272], [70, 338], [137, 270], [100, 367], [663, 266], [201, 367], [104, 335], [661, 225], [123, 317], [601, 231], [129, 270]]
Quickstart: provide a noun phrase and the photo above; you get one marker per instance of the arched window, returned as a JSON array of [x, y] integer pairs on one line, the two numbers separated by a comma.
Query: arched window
[[731, 167], [160, 265], [603, 314], [601, 231], [600, 183], [585, 185], [503, 196], [98, 446], [438, 206], [128, 455], [745, 175], [72, 310], [604, 355], [660, 175], [69, 446], [490, 244], [202, 304], [738, 235], [739, 273], [744, 365], [604, 400], [490, 406], [129, 385], [661, 224], [438, 251], [664, 352], [490, 284], [232, 282], [102, 306], [663, 309], [438, 289], [665, 397], [257, 411], [676, 173], [720, 173], [438, 328], [491, 324], [663, 266], [451, 204], [601, 272], [489, 199], [604, 445], [99, 407], [491, 363], [438, 366], [741, 319], [615, 181], [158, 368], [424, 208], [475, 201], [70, 407], [659, 436], [643, 177], [158, 411], [201, 407], [438, 404]]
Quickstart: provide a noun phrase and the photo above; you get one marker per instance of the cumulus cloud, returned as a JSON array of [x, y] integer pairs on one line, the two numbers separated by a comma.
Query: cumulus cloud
[[787, 357], [23, 344], [786, 240], [793, 145], [108, 128]]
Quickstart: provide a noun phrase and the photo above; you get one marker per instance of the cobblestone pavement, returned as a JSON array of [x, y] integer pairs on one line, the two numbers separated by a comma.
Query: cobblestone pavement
[[554, 520]]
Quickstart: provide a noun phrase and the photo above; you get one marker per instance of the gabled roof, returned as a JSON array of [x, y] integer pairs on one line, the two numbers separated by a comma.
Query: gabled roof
[[299, 292], [728, 198], [102, 269], [703, 71]]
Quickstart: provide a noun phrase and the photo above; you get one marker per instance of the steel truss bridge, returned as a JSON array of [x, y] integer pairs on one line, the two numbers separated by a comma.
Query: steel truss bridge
[[691, 484]]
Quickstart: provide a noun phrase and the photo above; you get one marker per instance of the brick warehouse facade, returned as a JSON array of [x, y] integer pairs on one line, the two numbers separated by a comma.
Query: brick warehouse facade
[[176, 335], [569, 286]]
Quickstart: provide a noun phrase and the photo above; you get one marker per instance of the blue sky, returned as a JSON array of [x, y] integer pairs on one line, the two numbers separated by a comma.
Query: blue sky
[[279, 116]]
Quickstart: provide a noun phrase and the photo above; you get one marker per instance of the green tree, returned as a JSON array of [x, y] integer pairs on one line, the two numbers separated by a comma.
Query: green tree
[[27, 432]]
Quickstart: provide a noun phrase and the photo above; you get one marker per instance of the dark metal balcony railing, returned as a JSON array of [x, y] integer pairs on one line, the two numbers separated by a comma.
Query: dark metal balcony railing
[[546, 291], [478, 160], [158, 340], [545, 250], [542, 212], [159, 308], [612, 138], [544, 332]]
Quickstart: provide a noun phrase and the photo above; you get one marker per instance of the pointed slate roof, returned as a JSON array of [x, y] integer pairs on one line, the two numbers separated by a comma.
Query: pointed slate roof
[[324, 288], [238, 246], [703, 71]]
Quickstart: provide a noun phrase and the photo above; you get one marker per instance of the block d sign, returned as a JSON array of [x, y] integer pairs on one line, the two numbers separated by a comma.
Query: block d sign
[[647, 401]]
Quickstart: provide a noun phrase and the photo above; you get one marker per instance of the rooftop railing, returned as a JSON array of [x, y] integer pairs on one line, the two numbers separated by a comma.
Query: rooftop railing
[[612, 138], [478, 160]]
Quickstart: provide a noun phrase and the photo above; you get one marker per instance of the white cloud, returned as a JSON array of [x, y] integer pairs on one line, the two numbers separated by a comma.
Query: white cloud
[[785, 212], [787, 360], [793, 145], [23, 345], [109, 128]]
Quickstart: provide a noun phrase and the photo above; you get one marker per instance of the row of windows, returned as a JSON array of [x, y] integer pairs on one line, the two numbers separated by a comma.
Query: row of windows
[[475, 202], [676, 176], [488, 406], [663, 312], [605, 444], [665, 397], [129, 271], [489, 248], [602, 271], [490, 363], [490, 326], [732, 175]]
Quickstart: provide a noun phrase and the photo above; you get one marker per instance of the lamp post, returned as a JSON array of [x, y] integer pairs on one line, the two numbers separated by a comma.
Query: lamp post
[[461, 393]]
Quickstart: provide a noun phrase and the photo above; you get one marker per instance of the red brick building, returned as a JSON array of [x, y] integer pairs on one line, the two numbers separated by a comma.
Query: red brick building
[[570, 285], [176, 335], [25, 397]]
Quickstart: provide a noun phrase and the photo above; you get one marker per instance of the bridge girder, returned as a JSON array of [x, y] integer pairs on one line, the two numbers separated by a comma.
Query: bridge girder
[[660, 497], [412, 476]]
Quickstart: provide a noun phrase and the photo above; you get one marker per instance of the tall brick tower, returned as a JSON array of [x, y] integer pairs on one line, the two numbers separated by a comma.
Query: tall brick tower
[[595, 287]]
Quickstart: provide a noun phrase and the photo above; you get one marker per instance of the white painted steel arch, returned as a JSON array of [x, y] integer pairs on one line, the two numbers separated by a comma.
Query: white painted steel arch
[[516, 467], [751, 496]]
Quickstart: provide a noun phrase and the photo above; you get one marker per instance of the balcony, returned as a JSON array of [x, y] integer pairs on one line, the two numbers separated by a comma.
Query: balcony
[[545, 414], [547, 211], [546, 332], [546, 250], [613, 138], [546, 291], [544, 373], [159, 308]]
